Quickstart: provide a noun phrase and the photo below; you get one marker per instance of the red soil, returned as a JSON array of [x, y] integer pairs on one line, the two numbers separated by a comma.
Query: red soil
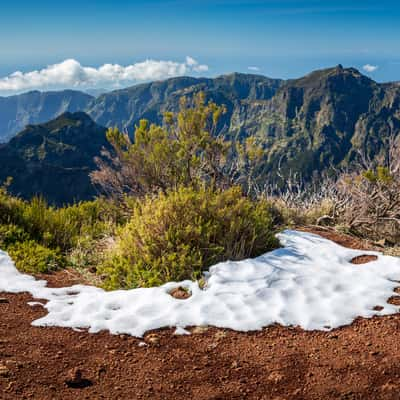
[[361, 361]]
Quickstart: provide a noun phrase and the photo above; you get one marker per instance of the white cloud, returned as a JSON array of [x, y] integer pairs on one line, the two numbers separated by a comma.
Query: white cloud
[[253, 68], [71, 74], [370, 68]]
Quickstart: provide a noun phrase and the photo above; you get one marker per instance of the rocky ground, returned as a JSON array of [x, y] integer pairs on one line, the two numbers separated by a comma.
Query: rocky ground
[[361, 361]]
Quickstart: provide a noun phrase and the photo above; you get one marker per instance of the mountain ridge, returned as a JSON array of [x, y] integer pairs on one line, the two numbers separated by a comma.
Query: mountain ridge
[[54, 159], [305, 125], [17, 111]]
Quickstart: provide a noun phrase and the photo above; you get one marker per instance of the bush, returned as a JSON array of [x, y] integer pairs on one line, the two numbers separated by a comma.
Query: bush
[[372, 203], [31, 257], [177, 235], [59, 227], [10, 234], [287, 213], [71, 230]]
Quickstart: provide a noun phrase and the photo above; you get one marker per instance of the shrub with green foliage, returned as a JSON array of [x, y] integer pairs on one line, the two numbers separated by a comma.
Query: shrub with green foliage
[[178, 182], [31, 257], [177, 235], [33, 228], [184, 151], [59, 227], [10, 234]]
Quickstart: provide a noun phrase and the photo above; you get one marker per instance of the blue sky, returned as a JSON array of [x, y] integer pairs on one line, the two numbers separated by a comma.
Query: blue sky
[[280, 38]]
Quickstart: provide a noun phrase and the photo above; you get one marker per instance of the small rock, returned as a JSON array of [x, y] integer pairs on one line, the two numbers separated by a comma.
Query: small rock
[[220, 335], [4, 371], [275, 377], [153, 338], [101, 371], [3, 300], [333, 336], [74, 375], [381, 243], [200, 329], [75, 379]]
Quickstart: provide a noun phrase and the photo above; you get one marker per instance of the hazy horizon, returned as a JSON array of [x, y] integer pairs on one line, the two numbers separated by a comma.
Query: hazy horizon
[[120, 43]]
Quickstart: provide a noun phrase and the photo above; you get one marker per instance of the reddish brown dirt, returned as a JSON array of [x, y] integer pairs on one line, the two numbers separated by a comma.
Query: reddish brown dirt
[[341, 238], [361, 361], [363, 259], [180, 293]]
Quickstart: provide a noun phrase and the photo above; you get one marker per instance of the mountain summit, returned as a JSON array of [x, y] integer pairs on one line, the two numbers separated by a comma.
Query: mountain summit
[[54, 159], [305, 125]]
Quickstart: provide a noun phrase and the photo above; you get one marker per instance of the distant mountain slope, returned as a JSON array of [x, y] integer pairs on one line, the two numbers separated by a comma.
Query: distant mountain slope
[[54, 159], [322, 119], [306, 125], [36, 107], [124, 108]]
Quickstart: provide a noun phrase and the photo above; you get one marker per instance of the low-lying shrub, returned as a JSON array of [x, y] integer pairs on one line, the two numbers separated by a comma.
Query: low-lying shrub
[[302, 213], [34, 228], [10, 234], [32, 257], [177, 235], [373, 202]]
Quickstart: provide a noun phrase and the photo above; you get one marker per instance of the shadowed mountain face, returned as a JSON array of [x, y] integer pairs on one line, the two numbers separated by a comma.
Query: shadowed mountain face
[[36, 107], [54, 159], [306, 125], [322, 120]]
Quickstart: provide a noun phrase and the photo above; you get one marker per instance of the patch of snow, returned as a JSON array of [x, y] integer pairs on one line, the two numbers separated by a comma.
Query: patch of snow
[[181, 331], [308, 283], [35, 303]]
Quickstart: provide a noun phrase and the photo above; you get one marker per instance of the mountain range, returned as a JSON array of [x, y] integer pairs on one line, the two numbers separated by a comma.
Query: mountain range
[[54, 159], [36, 107], [124, 108], [305, 125]]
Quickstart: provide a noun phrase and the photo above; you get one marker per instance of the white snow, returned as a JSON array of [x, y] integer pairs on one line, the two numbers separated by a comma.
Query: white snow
[[309, 282], [181, 331]]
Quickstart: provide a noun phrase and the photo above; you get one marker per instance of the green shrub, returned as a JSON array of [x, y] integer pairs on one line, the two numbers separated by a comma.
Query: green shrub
[[32, 257], [71, 231], [177, 235], [59, 227], [10, 234]]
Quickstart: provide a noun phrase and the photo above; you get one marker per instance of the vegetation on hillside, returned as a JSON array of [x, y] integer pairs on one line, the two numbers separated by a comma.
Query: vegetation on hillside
[[177, 235], [178, 198], [310, 126], [42, 238], [175, 204], [371, 197], [54, 159]]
